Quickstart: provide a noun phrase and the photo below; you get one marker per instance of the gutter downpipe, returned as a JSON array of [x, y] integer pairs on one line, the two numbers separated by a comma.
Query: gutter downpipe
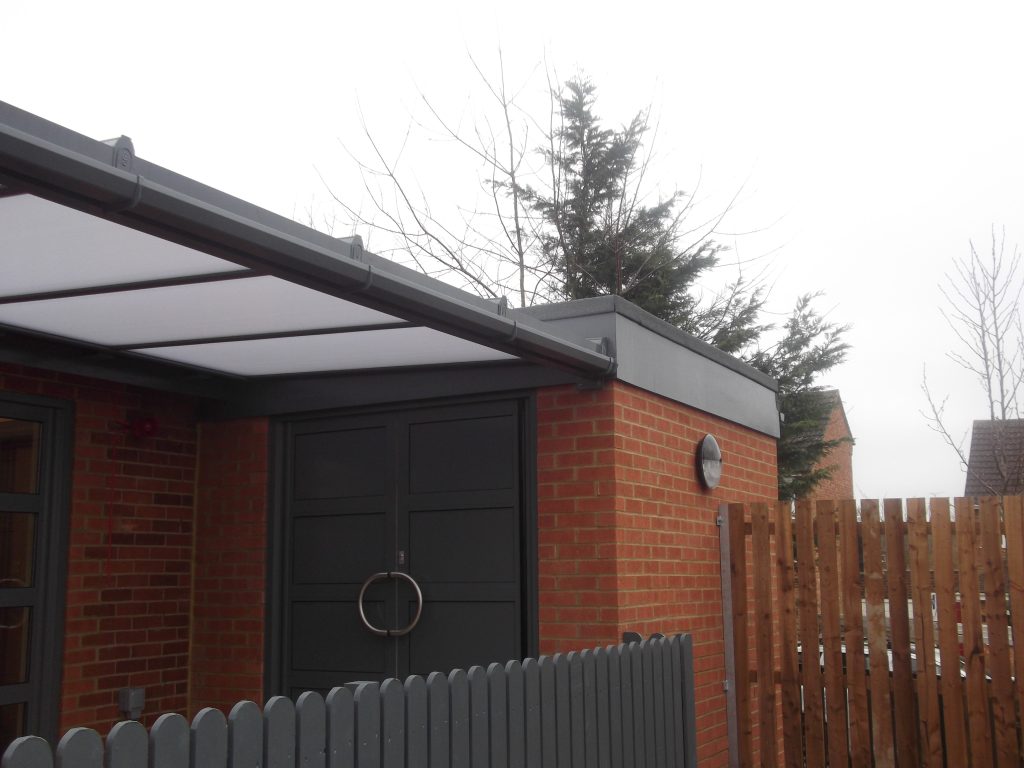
[[85, 183]]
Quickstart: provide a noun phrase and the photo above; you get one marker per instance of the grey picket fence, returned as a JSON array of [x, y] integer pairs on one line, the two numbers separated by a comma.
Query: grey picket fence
[[626, 706]]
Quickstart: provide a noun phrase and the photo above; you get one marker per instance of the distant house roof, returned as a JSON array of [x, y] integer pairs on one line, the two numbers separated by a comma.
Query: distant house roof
[[996, 463]]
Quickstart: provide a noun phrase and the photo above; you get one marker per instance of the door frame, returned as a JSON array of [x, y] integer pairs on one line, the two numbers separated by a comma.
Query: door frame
[[50, 564], [278, 540]]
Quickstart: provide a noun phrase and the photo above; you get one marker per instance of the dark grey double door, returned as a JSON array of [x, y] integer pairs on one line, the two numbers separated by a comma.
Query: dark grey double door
[[434, 493]]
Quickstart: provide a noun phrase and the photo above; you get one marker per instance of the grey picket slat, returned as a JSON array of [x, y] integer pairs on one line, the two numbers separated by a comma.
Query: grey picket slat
[[437, 704], [458, 684], [83, 748], [478, 720], [658, 695], [532, 714], [589, 708], [366, 698], [636, 669], [169, 742], [668, 711], [417, 741], [614, 707], [210, 738], [127, 745], [392, 735], [245, 736], [548, 712], [497, 694], [279, 733], [577, 713], [514, 683], [563, 712], [601, 694], [675, 680], [689, 715], [341, 728], [626, 684], [650, 735], [28, 752], [311, 731]]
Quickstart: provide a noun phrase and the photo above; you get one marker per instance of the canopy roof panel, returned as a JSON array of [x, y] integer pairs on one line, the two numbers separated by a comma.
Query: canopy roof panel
[[106, 252]]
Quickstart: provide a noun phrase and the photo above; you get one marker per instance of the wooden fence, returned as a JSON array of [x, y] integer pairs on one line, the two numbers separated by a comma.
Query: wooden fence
[[885, 634], [624, 706]]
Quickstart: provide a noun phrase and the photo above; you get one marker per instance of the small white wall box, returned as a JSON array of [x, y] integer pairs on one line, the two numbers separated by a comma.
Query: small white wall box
[[131, 702]]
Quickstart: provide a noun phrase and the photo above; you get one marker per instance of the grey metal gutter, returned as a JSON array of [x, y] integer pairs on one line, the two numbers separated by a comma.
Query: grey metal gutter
[[50, 161]]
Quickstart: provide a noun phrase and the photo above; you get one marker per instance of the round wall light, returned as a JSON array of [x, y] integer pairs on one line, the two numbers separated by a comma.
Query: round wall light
[[709, 462]]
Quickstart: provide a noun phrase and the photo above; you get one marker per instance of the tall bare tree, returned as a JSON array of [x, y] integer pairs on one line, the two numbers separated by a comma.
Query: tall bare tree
[[983, 295]]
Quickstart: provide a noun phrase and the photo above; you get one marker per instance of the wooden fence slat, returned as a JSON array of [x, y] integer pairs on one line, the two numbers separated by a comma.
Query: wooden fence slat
[[279, 733], [874, 593], [949, 635], [458, 692], [417, 723], [835, 689], [310, 730], [392, 731], [589, 708], [515, 683], [548, 712], [28, 752], [439, 743], [341, 728], [853, 634], [689, 717], [127, 745], [169, 742], [670, 709], [532, 716], [479, 746], [813, 720], [921, 592], [626, 682], [576, 713], [647, 682], [674, 649], [654, 654], [636, 670], [974, 653], [601, 693], [210, 737], [765, 632], [245, 736], [563, 712], [738, 582], [905, 731], [789, 663], [497, 691], [366, 698], [83, 748], [1013, 513], [1004, 711]]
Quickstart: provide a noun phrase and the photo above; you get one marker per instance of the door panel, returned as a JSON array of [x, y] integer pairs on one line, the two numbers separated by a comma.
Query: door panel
[[431, 492], [33, 519]]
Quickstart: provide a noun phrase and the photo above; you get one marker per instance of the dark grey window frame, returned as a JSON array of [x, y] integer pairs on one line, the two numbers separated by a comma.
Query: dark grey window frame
[[51, 565], [277, 539]]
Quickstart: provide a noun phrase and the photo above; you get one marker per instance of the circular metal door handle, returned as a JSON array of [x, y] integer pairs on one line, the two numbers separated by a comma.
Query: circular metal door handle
[[390, 575]]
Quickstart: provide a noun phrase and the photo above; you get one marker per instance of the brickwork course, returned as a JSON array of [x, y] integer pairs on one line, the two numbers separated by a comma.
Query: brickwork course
[[840, 458]]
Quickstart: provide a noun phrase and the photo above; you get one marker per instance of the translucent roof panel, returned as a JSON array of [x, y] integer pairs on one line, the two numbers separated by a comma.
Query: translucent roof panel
[[331, 352], [246, 306], [49, 247]]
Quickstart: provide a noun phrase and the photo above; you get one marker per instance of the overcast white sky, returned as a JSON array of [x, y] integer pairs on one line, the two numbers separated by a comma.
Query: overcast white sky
[[873, 140]]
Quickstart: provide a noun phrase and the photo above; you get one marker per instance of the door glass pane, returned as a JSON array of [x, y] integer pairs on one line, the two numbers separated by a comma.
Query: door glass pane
[[14, 626], [12, 723], [16, 538], [19, 456]]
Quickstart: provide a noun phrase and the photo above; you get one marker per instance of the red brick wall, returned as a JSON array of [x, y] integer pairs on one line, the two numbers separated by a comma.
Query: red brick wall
[[130, 539], [627, 535], [840, 485], [230, 564]]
